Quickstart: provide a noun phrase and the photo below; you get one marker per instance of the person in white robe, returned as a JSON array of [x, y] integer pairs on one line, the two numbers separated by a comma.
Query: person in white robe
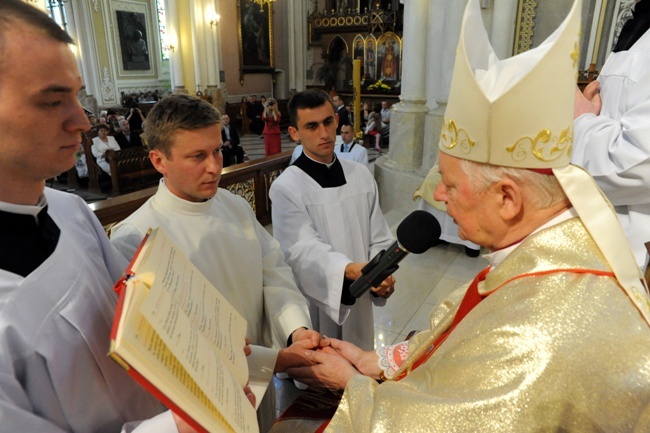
[[57, 267], [327, 218], [219, 233], [612, 133], [554, 335], [101, 144], [349, 148]]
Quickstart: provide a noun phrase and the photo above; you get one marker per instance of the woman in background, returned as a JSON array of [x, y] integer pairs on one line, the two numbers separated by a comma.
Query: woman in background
[[271, 118], [374, 128], [101, 144]]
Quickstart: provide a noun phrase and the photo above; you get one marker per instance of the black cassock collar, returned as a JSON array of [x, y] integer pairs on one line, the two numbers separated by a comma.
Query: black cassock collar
[[25, 243], [327, 177]]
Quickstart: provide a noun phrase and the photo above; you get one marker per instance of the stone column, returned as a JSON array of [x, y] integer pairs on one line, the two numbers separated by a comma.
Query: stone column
[[445, 18], [504, 18], [296, 25], [397, 173], [176, 55], [212, 53]]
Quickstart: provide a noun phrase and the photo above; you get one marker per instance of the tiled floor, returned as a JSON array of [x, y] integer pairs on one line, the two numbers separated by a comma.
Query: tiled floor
[[422, 281]]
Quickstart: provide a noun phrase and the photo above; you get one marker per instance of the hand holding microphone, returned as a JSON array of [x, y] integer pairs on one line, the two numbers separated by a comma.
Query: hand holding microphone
[[417, 233]]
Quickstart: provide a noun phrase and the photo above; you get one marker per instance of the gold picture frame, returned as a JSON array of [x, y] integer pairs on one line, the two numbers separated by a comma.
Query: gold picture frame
[[255, 26]]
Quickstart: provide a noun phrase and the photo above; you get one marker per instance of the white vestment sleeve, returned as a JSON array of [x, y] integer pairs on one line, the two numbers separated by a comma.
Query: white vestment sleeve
[[616, 152], [285, 306], [126, 238], [163, 423]]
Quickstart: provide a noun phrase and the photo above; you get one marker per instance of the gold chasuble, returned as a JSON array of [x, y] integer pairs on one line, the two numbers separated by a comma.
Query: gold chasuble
[[536, 355], [561, 342]]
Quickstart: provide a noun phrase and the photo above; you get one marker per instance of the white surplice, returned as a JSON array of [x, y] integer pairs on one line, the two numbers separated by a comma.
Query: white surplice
[[614, 147], [321, 230], [55, 374], [356, 153], [224, 240]]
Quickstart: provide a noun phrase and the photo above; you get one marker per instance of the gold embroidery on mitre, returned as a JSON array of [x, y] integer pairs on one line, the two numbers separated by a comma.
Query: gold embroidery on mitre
[[544, 147], [450, 136]]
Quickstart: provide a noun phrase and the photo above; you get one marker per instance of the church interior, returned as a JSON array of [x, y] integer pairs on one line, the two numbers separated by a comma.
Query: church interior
[[133, 52]]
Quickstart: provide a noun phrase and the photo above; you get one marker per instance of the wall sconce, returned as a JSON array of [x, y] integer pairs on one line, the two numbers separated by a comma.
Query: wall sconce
[[214, 21], [172, 48]]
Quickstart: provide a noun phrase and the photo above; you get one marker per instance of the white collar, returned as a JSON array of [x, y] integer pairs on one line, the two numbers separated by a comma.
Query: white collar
[[23, 209]]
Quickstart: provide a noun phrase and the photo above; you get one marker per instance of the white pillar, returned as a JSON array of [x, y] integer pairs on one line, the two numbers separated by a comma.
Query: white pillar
[[296, 26], [407, 116], [504, 17], [197, 30], [414, 52], [211, 49], [176, 55], [445, 19], [397, 173]]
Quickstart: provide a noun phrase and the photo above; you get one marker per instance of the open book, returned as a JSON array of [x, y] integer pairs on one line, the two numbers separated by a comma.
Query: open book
[[181, 339]]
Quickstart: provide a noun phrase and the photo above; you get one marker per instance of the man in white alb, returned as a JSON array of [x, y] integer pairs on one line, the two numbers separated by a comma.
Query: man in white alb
[[327, 218], [350, 149], [219, 233]]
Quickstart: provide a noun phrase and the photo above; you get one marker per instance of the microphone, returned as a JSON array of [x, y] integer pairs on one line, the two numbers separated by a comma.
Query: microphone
[[417, 233]]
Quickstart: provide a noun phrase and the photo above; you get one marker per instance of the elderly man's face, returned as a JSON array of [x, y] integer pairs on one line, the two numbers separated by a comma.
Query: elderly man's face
[[470, 210]]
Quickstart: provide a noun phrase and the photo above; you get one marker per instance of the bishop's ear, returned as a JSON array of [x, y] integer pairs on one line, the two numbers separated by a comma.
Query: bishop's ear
[[509, 197]]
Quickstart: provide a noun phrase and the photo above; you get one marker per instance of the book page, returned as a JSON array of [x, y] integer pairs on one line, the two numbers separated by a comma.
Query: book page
[[182, 301], [138, 344], [198, 325]]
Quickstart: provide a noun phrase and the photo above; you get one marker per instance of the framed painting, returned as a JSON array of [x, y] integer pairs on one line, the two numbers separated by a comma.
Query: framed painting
[[255, 37], [370, 57], [135, 44], [134, 41], [389, 47]]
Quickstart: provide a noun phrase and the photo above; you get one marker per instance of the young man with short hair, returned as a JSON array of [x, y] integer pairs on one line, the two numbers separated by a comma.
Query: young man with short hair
[[219, 233], [350, 149], [57, 267], [327, 218]]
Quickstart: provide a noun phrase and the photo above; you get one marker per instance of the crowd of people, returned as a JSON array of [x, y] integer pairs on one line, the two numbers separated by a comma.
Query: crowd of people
[[554, 335]]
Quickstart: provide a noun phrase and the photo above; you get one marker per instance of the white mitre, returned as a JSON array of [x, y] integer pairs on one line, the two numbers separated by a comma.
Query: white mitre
[[518, 112]]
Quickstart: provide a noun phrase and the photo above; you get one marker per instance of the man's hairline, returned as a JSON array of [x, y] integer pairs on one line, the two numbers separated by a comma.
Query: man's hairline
[[312, 108], [173, 134]]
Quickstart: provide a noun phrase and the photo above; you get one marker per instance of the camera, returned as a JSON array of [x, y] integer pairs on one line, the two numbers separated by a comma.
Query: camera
[[271, 103]]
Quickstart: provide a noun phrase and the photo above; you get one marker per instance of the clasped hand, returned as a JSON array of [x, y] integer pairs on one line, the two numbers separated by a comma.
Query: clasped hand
[[333, 363]]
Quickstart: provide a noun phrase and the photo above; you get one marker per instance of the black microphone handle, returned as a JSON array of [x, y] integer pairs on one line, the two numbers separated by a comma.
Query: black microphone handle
[[385, 266]]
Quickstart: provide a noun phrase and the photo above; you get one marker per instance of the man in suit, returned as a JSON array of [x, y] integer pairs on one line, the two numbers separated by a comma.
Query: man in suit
[[344, 118], [350, 149], [231, 146], [124, 138]]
